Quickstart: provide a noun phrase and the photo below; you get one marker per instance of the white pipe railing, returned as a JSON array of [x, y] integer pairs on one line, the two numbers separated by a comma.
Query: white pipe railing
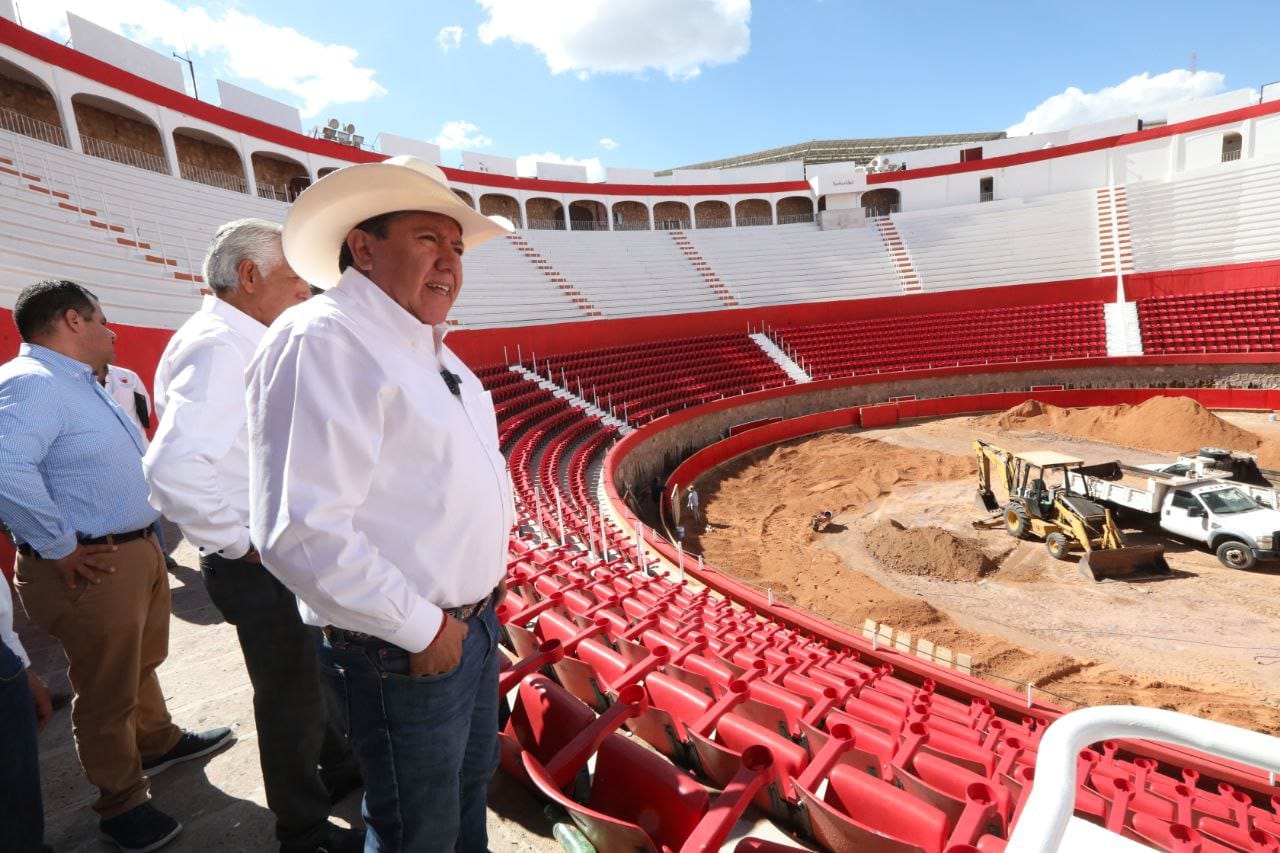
[[1049, 807], [16, 122], [120, 154], [213, 177]]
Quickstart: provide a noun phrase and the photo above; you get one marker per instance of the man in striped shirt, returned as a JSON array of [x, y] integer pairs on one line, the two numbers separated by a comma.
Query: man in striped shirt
[[89, 570]]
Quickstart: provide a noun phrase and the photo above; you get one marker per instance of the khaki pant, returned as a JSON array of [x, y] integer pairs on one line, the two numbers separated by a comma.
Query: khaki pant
[[115, 634]]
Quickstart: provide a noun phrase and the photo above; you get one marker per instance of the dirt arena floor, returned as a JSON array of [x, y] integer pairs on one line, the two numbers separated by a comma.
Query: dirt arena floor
[[902, 551]]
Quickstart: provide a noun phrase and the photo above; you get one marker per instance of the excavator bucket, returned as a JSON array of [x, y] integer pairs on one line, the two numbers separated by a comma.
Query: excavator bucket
[[986, 499], [1133, 563]]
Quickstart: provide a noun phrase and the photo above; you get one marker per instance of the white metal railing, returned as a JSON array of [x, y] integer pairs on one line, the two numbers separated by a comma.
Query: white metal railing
[[121, 154], [1230, 154], [546, 224], [588, 225], [273, 192], [747, 221], [881, 210], [16, 122], [793, 218], [988, 195], [1051, 802], [213, 177], [713, 223]]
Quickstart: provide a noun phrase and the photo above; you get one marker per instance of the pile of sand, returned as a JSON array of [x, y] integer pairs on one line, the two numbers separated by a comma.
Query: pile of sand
[[1175, 424], [927, 551]]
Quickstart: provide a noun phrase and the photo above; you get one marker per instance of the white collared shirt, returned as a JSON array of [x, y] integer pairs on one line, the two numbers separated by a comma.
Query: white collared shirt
[[376, 495], [198, 464], [121, 385]]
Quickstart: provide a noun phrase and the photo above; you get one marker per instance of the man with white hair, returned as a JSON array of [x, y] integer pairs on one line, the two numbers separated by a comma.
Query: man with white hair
[[379, 494], [198, 470]]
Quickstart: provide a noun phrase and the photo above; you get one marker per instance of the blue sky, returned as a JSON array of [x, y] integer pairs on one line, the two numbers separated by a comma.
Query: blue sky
[[671, 82]]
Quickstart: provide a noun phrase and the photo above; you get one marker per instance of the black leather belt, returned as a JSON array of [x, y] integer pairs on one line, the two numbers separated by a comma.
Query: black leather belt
[[462, 614], [110, 539]]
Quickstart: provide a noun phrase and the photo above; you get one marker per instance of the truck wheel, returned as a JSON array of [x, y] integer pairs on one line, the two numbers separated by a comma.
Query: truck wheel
[[1059, 546], [1234, 554], [1016, 521]]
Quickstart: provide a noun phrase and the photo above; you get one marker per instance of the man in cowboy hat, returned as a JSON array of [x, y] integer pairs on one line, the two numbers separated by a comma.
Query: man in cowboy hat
[[378, 494]]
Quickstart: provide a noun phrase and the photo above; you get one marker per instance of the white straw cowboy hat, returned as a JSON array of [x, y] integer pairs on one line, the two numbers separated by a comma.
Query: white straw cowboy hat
[[318, 222]]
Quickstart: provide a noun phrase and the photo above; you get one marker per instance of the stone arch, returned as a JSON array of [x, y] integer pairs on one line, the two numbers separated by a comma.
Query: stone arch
[[466, 196], [711, 214], [794, 208], [28, 106], [882, 202], [752, 211], [207, 158], [113, 131], [630, 216], [544, 213], [498, 204], [327, 170], [278, 176], [588, 215], [822, 203], [672, 216]]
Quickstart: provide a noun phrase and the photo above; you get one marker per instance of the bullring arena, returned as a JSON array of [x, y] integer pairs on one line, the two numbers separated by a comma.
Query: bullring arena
[[791, 341]]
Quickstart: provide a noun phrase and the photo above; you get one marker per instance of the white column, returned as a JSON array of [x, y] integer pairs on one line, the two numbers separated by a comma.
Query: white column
[[70, 127], [246, 163]]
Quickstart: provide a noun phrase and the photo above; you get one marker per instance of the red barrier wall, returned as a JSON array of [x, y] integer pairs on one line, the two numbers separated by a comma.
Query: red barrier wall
[[137, 347], [1202, 280]]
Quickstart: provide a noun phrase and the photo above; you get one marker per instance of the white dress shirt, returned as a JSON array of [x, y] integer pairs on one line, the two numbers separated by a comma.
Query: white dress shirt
[[376, 495], [7, 635], [122, 383], [198, 464]]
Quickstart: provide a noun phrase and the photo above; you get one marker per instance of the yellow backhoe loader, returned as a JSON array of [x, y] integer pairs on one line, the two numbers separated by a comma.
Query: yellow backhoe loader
[[1036, 509]]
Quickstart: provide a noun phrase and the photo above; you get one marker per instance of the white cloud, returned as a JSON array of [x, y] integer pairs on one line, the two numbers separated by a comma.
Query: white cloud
[[608, 144], [1142, 95], [457, 135], [449, 37], [242, 45], [676, 37], [527, 166]]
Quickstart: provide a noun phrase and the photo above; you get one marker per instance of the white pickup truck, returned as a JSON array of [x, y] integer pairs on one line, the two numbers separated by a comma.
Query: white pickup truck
[[1205, 509]]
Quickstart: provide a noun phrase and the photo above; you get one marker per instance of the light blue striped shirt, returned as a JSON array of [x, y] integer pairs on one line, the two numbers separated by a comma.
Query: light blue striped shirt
[[70, 459]]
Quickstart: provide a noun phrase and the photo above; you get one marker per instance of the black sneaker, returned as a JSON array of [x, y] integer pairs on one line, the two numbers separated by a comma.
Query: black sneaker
[[190, 745], [139, 830]]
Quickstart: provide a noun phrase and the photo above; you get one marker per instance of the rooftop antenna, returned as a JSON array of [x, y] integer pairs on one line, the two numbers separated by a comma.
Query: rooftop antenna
[[190, 65]]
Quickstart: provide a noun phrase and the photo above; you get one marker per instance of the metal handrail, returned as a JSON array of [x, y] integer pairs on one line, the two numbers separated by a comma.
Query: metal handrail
[[120, 154], [989, 195], [1230, 154], [16, 122], [793, 218], [748, 221], [546, 224], [213, 177], [881, 210]]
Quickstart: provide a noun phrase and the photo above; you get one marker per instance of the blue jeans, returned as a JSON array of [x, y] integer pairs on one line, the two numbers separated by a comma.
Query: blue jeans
[[22, 812], [427, 746]]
